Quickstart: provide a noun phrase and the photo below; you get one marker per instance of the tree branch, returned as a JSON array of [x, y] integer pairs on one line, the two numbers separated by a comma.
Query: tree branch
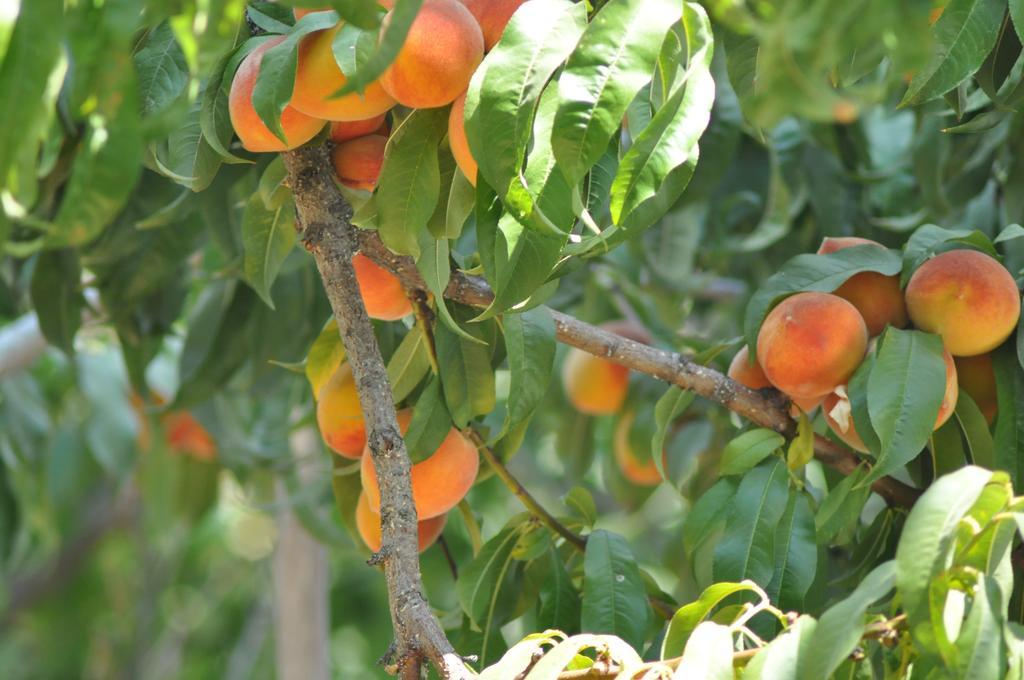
[[767, 408], [327, 232]]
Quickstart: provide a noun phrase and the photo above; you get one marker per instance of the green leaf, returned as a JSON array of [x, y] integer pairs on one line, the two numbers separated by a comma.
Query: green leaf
[[779, 660], [746, 549], [479, 583], [979, 645], [56, 292], [708, 654], [523, 258], [840, 628], [530, 343], [747, 450], [268, 236], [272, 189], [190, 155], [927, 539], [559, 606], [324, 357], [614, 59], [1009, 432], [977, 435], [821, 273], [1017, 15], [409, 363], [410, 181], [858, 393], [358, 12], [669, 407], [796, 554], [905, 391], [465, 374], [214, 117], [506, 88], [614, 599], [964, 35], [435, 268], [708, 514], [105, 171], [31, 61], [430, 424], [353, 47], [582, 503], [842, 506], [391, 40], [654, 172], [685, 621], [162, 70], [461, 200]]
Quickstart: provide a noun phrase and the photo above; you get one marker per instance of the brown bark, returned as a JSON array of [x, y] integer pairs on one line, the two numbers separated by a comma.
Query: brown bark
[[327, 231]]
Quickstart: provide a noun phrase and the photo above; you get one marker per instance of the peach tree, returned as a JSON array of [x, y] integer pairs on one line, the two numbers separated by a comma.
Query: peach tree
[[639, 338]]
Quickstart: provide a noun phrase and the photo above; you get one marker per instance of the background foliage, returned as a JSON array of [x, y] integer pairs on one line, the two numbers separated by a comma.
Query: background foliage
[[159, 255]]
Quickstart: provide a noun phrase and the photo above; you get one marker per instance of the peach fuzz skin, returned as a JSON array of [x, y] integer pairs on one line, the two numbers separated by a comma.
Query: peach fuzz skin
[[442, 50], [368, 524], [382, 292], [966, 297], [339, 415], [751, 375], [318, 77], [357, 162], [493, 16], [438, 482], [298, 128], [876, 296], [457, 139], [344, 130], [811, 343], [978, 379], [946, 408], [642, 472]]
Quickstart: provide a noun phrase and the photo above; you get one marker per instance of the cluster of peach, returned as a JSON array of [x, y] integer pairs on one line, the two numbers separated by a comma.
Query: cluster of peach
[[811, 344], [598, 387], [445, 44]]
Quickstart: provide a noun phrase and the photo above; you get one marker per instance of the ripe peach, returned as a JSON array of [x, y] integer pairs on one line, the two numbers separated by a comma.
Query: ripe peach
[[596, 386], [751, 375], [966, 297], [186, 435], [357, 162], [339, 415], [344, 130], [638, 470], [811, 343], [977, 379], [443, 48], [457, 139], [876, 296], [318, 77], [840, 418], [492, 15], [298, 127], [382, 292], [368, 524], [439, 482]]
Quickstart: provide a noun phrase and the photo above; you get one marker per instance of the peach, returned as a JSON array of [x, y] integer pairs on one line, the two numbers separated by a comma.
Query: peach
[[318, 77], [457, 139], [876, 296], [357, 162], [298, 128], [839, 417], [641, 471], [382, 292], [186, 435], [966, 297], [368, 524], [299, 13], [492, 15], [810, 343], [977, 379], [596, 386], [439, 482], [751, 375], [442, 50], [339, 415], [344, 130]]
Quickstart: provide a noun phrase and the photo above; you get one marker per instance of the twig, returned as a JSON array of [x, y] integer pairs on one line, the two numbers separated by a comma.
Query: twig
[[767, 408], [535, 508], [452, 566], [326, 231]]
